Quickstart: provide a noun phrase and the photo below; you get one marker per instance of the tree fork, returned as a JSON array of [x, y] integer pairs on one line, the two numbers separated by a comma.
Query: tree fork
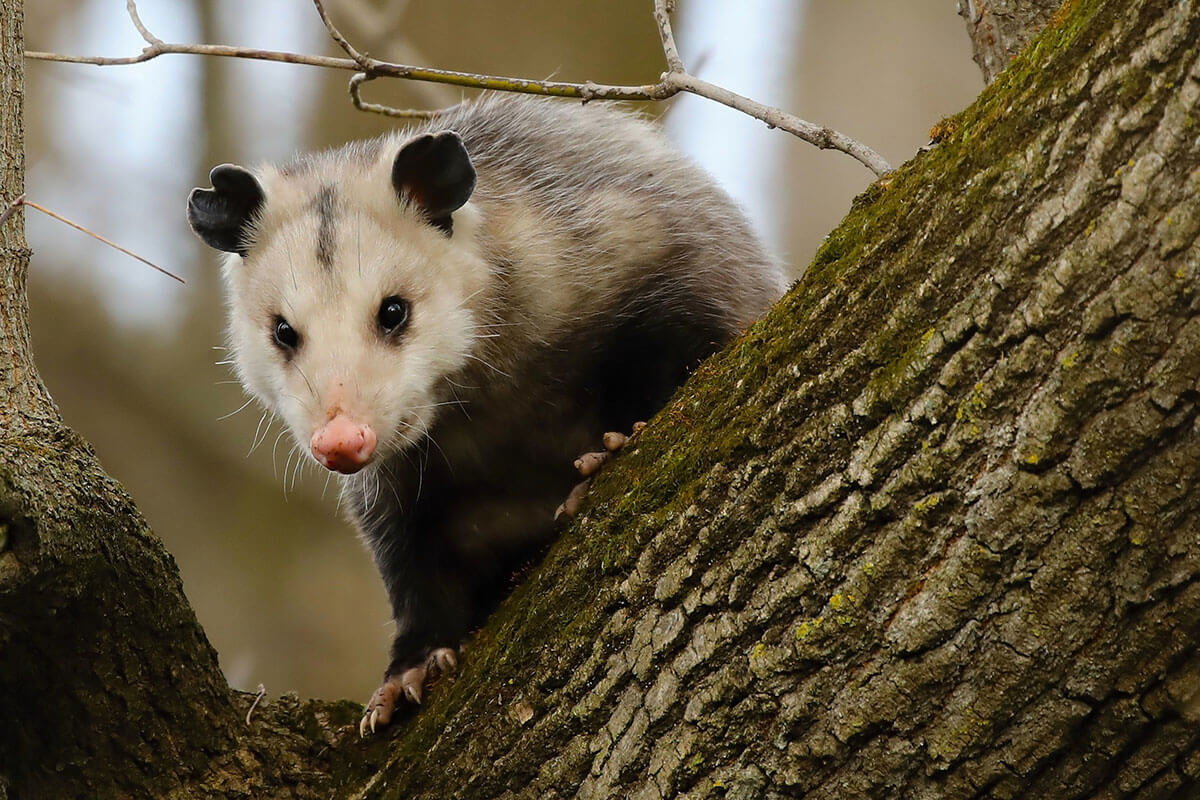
[[929, 529]]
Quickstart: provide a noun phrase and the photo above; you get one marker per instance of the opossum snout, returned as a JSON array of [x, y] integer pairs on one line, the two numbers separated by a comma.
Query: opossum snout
[[343, 445]]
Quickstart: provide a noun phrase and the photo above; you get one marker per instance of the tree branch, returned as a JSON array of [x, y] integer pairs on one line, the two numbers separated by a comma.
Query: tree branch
[[360, 78], [131, 8], [671, 83], [662, 15]]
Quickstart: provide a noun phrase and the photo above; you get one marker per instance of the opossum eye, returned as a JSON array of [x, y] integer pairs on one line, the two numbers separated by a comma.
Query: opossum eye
[[393, 315], [286, 337]]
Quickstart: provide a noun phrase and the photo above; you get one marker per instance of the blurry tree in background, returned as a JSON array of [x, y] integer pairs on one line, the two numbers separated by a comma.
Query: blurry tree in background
[[274, 574]]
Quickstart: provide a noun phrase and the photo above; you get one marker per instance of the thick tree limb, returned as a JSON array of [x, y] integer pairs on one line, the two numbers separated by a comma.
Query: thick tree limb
[[928, 530]]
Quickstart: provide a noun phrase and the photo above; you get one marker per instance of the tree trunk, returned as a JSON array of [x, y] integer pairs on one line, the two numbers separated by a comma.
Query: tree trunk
[[931, 529], [999, 29]]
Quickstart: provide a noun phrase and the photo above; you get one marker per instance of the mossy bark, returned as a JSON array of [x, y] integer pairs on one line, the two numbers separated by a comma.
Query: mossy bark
[[930, 529]]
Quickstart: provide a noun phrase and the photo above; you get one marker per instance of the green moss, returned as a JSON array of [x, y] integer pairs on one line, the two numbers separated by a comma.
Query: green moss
[[718, 416]]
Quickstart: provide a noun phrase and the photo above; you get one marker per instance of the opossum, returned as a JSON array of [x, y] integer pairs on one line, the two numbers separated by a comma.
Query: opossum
[[448, 315]]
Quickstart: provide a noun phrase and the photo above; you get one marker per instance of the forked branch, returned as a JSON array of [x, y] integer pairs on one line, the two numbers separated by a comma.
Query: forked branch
[[673, 81]]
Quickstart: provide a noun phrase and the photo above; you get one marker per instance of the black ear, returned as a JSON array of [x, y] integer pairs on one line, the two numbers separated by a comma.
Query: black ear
[[435, 172], [221, 216]]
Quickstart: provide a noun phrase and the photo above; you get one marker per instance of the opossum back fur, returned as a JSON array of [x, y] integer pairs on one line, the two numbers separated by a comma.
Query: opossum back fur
[[590, 216]]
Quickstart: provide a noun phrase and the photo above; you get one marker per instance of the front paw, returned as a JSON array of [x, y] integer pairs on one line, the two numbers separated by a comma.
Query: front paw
[[588, 465], [407, 685]]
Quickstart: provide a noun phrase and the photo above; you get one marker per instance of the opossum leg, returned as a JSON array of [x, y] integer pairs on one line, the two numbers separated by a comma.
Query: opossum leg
[[570, 506], [406, 686], [589, 464]]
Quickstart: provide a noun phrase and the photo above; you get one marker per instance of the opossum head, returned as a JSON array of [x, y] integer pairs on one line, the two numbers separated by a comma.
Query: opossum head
[[349, 286]]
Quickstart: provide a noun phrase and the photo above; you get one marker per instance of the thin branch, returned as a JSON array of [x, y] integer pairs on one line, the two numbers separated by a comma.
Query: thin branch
[[672, 82], [368, 74], [360, 78], [363, 61], [23, 201], [262, 692], [151, 39], [380, 69], [662, 15], [817, 135], [377, 26]]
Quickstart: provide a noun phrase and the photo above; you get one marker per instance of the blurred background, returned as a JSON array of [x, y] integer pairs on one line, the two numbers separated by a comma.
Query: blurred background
[[285, 591]]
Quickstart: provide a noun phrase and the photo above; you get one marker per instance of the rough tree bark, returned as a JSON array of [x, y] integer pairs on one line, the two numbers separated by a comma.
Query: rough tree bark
[[999, 29], [931, 529]]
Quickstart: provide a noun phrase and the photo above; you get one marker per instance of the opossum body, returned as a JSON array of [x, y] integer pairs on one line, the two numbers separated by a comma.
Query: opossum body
[[449, 315]]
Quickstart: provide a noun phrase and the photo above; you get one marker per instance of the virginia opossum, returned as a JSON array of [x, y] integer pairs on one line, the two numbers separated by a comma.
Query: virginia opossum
[[450, 314]]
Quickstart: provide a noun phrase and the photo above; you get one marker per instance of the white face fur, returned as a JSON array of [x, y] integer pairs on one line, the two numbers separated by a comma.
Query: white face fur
[[329, 248]]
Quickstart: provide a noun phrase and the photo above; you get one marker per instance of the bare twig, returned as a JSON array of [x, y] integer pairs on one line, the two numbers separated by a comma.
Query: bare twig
[[151, 39], [262, 692], [363, 60], [817, 135], [22, 200], [662, 15], [379, 69], [360, 78], [675, 80]]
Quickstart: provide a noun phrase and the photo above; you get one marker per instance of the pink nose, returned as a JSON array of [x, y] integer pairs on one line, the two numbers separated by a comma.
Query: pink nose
[[343, 445]]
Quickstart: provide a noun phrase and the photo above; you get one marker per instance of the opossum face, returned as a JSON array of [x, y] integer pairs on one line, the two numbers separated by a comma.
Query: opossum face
[[349, 291]]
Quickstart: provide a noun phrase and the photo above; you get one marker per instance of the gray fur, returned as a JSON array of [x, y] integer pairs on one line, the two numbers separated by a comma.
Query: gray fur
[[325, 207], [631, 268]]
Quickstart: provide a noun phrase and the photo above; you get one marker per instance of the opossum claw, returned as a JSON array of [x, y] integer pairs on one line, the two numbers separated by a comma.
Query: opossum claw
[[589, 464], [442, 661], [379, 707], [614, 441], [570, 506], [409, 685]]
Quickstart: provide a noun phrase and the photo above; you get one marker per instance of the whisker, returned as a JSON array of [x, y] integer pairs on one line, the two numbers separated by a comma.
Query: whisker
[[300, 462], [459, 385], [429, 438], [468, 297], [462, 404], [306, 381], [274, 448], [255, 441], [231, 413], [497, 370], [495, 325], [438, 405], [287, 466]]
